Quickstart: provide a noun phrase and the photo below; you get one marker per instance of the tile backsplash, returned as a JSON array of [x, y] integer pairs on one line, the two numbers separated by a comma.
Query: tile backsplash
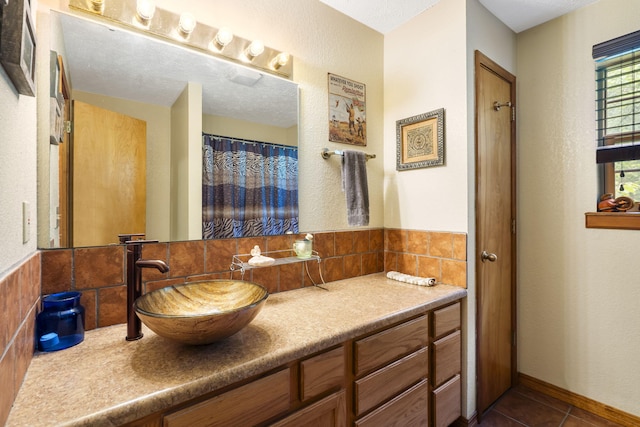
[[441, 255], [19, 297], [99, 272]]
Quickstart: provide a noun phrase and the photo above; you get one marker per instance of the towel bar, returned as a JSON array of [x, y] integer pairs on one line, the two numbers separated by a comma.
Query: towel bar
[[326, 154]]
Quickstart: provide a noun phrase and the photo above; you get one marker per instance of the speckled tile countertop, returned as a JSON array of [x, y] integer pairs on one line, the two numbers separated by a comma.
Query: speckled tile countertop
[[108, 381]]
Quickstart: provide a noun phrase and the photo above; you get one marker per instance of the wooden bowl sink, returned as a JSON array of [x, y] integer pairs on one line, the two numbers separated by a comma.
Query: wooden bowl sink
[[201, 312]]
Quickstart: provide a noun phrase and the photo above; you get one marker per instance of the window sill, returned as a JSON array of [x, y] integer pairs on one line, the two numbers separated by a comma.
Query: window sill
[[614, 220]]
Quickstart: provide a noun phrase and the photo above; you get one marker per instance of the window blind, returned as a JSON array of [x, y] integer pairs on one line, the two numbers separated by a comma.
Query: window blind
[[618, 98]]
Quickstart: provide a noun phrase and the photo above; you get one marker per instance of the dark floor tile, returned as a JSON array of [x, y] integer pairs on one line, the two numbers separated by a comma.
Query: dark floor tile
[[528, 411], [572, 421], [496, 419], [591, 418], [543, 398]]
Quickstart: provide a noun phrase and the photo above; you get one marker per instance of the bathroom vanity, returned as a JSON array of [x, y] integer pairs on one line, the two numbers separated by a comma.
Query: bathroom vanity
[[362, 352]]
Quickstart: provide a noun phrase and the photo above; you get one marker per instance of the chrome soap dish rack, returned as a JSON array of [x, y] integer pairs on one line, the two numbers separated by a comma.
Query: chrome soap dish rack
[[240, 262]]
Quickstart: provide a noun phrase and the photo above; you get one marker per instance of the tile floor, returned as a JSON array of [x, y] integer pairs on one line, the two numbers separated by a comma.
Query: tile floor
[[522, 406]]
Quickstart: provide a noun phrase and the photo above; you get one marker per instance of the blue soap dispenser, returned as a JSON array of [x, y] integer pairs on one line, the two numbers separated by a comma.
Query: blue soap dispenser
[[60, 324]]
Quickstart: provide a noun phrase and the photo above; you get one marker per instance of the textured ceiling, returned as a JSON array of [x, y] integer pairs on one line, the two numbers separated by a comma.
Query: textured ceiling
[[381, 15], [519, 15]]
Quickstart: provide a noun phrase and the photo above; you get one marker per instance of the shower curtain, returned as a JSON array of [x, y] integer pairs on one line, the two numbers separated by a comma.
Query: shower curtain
[[249, 188]]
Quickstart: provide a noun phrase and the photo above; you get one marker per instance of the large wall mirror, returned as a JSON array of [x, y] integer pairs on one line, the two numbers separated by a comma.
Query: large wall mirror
[[127, 86]]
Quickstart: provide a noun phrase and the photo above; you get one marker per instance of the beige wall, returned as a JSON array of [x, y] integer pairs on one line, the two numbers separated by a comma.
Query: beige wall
[[186, 164], [18, 177], [579, 323], [425, 69], [225, 126]]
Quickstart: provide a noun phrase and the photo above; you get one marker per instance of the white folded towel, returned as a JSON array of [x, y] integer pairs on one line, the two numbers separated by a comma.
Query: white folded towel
[[414, 280]]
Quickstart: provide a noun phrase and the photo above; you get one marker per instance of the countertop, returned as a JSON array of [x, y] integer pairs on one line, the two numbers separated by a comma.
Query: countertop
[[108, 381]]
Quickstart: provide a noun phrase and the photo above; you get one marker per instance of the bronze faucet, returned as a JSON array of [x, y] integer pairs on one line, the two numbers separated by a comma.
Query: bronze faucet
[[134, 282]]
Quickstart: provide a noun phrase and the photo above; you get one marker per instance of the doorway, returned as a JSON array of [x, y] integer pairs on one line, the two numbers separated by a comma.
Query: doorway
[[495, 231], [109, 175]]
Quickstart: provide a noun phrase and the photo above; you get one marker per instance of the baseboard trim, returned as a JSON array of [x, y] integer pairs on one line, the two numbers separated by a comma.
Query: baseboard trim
[[463, 422], [597, 408]]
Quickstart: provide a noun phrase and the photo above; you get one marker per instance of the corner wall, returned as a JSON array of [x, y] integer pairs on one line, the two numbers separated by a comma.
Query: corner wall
[[578, 288], [425, 69]]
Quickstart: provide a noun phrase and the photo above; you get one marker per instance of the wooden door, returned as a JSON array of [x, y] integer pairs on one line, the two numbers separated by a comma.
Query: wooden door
[[109, 175], [495, 231]]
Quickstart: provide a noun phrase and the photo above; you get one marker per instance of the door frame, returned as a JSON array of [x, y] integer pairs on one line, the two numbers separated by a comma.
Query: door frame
[[482, 61]]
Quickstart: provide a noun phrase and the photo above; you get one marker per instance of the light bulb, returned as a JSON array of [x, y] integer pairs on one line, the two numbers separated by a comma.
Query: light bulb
[[255, 48], [223, 37], [280, 60], [187, 23], [145, 9]]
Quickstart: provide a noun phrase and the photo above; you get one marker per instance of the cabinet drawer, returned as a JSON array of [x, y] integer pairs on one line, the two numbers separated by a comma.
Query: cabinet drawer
[[447, 402], [383, 347], [330, 411], [446, 320], [411, 408], [446, 355], [250, 404], [390, 380], [322, 373]]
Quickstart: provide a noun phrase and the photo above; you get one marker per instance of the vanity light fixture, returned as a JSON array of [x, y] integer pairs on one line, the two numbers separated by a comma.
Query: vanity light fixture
[[145, 17], [222, 38], [254, 49], [145, 9], [280, 60], [187, 24]]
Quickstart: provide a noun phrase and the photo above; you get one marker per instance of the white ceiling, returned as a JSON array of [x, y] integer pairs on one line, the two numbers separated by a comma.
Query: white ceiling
[[519, 15]]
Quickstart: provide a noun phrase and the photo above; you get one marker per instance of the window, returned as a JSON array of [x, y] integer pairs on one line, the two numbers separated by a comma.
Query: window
[[618, 115]]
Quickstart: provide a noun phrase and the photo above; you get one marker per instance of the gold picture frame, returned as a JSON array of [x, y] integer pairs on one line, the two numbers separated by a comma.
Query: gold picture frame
[[420, 141]]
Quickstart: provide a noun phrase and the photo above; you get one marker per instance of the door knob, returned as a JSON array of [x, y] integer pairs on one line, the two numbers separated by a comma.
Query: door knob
[[486, 256]]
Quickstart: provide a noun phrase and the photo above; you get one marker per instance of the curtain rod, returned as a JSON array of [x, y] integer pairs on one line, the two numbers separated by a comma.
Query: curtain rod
[[249, 141]]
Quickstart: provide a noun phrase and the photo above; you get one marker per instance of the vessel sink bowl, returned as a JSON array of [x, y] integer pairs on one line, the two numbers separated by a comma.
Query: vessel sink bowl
[[201, 312]]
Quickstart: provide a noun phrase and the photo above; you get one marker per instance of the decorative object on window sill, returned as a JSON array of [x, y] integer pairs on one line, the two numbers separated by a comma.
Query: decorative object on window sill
[[18, 45], [609, 204], [184, 29], [347, 111]]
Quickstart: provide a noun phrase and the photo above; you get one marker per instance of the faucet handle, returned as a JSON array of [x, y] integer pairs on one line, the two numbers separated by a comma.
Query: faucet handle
[[139, 242], [124, 238]]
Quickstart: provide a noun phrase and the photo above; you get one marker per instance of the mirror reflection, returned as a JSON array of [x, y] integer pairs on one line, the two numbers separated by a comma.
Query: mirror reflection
[[134, 161]]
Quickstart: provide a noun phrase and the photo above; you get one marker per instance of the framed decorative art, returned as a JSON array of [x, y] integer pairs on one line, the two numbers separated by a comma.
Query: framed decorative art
[[420, 141], [347, 111], [18, 45]]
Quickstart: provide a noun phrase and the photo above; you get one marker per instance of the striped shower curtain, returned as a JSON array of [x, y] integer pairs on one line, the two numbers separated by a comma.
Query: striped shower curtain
[[249, 188]]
